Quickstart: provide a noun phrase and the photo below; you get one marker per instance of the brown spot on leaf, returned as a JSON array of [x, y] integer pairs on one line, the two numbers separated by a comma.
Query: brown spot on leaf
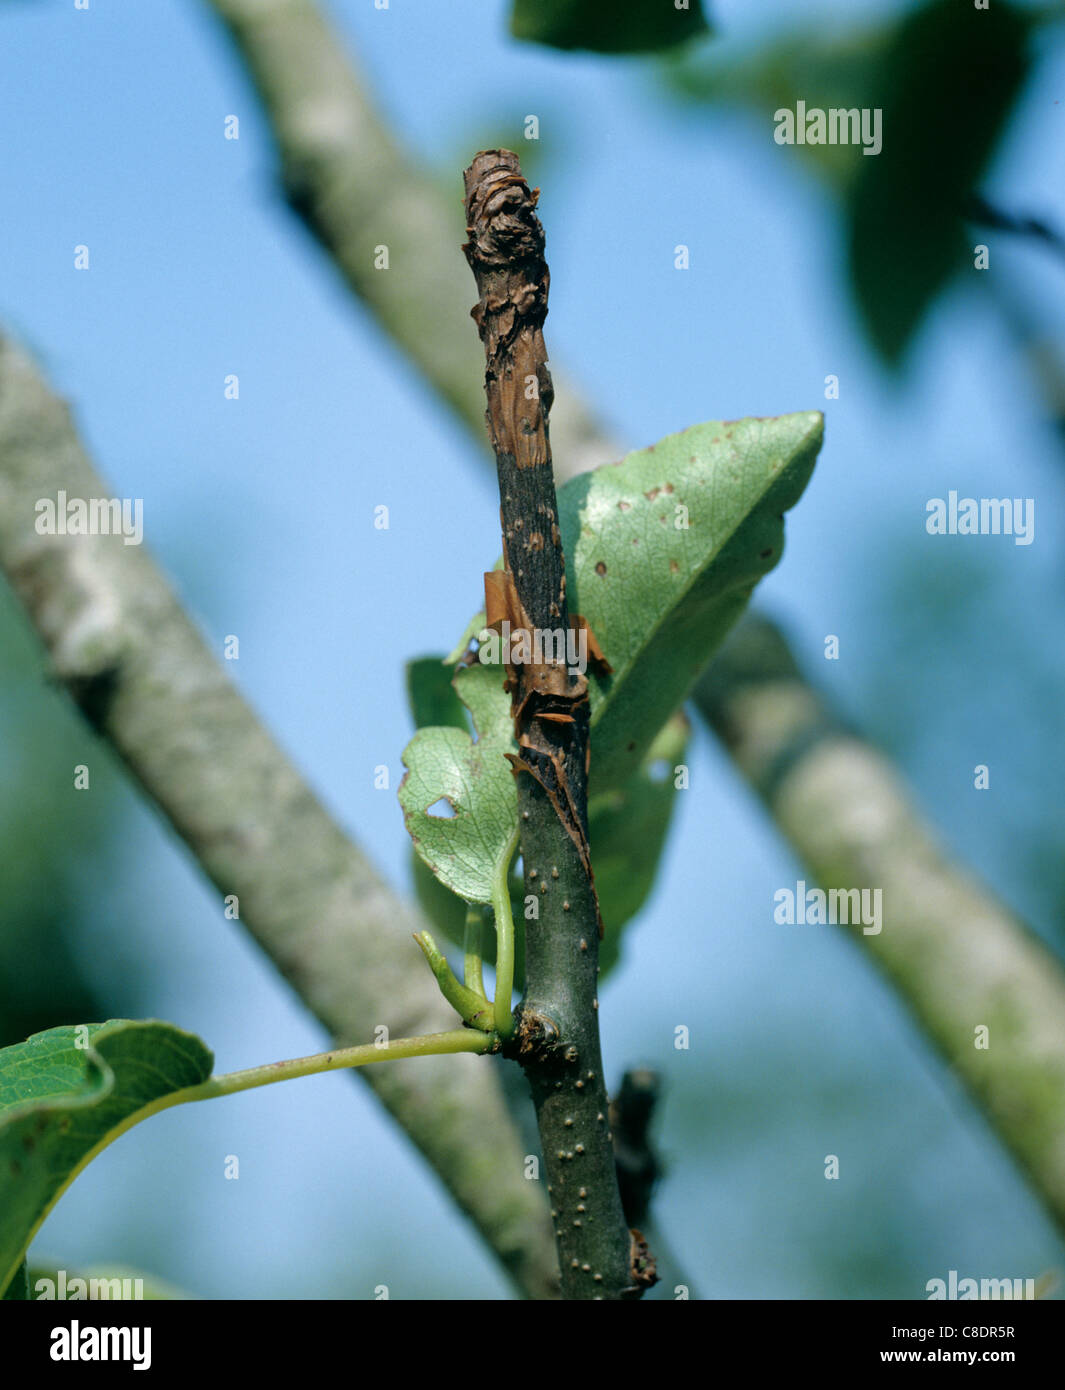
[[600, 567]]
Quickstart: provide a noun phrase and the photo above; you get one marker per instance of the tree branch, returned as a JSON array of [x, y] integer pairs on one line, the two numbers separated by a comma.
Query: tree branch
[[558, 1034], [142, 675], [956, 955]]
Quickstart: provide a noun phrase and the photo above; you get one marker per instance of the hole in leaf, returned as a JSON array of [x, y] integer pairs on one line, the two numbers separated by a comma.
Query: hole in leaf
[[659, 770], [441, 810]]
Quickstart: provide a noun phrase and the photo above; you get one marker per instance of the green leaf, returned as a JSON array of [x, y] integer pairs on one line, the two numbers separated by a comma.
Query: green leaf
[[19, 1287], [659, 596], [431, 694], [433, 701], [65, 1094], [445, 910], [465, 846], [627, 831], [604, 26], [907, 205]]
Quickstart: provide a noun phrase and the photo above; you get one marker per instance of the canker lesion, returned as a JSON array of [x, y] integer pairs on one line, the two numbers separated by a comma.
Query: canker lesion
[[538, 1036]]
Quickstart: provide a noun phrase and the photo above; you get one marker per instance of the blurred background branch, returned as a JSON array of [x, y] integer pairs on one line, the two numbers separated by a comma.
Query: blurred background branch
[[960, 959]]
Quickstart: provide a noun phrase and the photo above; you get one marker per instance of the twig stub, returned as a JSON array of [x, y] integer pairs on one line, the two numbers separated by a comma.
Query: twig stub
[[506, 254], [549, 701]]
